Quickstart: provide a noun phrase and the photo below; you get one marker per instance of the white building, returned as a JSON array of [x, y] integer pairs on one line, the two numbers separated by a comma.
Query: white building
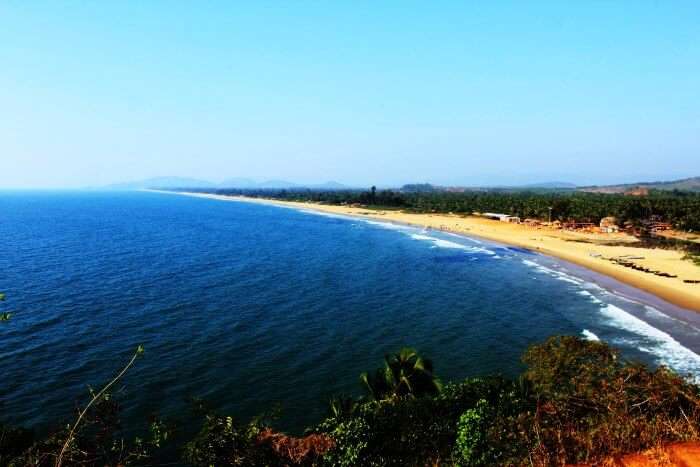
[[501, 217]]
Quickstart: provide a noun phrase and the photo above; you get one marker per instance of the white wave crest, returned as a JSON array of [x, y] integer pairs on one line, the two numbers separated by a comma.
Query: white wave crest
[[440, 243], [389, 225], [589, 336], [324, 214], [590, 296], [662, 345], [559, 275], [465, 237]]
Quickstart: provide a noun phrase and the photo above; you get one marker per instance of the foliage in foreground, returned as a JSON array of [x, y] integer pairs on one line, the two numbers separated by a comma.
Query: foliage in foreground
[[405, 374], [577, 401], [100, 441], [591, 403]]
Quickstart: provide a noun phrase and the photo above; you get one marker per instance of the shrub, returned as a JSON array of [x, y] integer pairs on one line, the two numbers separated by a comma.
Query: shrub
[[590, 404], [406, 431], [351, 439], [99, 442], [221, 442], [13, 441], [472, 446], [290, 450]]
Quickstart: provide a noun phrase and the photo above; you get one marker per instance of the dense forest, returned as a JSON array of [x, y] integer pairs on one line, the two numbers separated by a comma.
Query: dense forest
[[576, 401], [682, 209]]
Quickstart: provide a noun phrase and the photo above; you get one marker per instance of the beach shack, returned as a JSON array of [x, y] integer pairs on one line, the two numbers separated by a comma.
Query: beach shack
[[660, 226], [573, 225], [609, 225], [501, 217], [655, 224]]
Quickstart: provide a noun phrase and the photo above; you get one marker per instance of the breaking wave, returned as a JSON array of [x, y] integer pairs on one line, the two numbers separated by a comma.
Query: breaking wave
[[440, 243], [656, 342], [588, 335]]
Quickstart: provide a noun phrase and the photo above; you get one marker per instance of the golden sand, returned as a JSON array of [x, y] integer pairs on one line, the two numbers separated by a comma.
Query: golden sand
[[579, 248]]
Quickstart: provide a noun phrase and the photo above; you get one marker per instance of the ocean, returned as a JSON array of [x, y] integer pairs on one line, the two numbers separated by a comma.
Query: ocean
[[251, 306]]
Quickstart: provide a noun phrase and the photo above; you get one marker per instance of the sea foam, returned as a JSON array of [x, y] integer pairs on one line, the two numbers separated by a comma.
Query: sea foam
[[325, 214], [589, 336], [559, 275], [465, 237], [390, 226], [591, 297], [440, 243], [662, 345]]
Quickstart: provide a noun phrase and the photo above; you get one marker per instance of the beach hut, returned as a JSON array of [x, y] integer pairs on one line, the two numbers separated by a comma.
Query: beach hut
[[501, 217], [660, 226], [609, 225], [573, 225]]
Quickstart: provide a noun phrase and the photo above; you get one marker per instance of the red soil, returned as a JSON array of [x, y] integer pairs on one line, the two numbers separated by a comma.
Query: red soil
[[674, 455]]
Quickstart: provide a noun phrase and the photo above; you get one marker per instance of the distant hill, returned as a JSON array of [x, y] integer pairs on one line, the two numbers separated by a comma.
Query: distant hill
[[162, 182], [686, 184], [429, 188], [242, 183], [280, 184], [238, 183], [420, 188], [551, 185], [331, 185], [275, 184]]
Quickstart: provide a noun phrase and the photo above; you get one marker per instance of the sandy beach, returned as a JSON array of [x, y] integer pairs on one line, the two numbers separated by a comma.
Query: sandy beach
[[586, 250]]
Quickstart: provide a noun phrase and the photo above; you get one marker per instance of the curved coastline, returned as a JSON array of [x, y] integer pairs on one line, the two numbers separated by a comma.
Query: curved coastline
[[672, 294]]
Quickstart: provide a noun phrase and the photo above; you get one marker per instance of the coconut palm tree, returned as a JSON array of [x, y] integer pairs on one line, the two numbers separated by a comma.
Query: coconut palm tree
[[405, 375], [342, 406]]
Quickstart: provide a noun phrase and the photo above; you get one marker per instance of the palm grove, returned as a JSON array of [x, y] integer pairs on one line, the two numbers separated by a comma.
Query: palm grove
[[682, 209]]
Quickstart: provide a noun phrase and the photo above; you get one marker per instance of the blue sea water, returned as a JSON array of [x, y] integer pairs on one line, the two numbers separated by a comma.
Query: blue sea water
[[247, 305]]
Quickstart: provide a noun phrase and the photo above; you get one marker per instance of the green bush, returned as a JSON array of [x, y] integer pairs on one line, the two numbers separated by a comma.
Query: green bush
[[351, 437], [221, 442], [473, 447], [407, 431], [576, 402], [99, 442], [592, 404]]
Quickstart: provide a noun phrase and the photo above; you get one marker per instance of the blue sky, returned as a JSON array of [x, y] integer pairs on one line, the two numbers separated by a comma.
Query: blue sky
[[359, 92]]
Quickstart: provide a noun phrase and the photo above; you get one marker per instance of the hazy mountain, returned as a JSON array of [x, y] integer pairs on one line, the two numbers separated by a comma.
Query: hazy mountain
[[551, 185], [283, 184], [238, 182], [686, 184], [420, 188], [162, 182], [235, 182], [331, 185], [427, 187], [276, 184]]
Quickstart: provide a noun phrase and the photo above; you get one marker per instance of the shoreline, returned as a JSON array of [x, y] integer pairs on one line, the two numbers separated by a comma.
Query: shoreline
[[562, 245]]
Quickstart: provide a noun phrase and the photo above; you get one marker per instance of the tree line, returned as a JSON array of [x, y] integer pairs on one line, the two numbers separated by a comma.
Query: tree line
[[682, 209]]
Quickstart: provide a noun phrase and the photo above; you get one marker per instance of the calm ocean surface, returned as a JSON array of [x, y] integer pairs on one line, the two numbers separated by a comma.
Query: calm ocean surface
[[247, 305]]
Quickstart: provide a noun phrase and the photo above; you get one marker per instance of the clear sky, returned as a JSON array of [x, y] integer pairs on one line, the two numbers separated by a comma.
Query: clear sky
[[359, 92]]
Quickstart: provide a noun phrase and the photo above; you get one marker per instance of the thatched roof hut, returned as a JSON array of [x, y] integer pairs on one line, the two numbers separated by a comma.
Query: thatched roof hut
[[608, 222], [609, 225]]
